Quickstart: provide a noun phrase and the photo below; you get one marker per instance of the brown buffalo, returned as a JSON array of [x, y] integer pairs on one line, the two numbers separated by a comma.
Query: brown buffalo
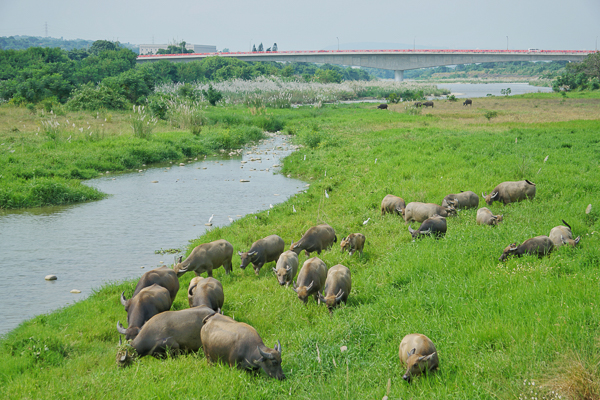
[[317, 238], [562, 235], [170, 330], [485, 217], [286, 268], [262, 251], [434, 226], [418, 353], [162, 276], [510, 192], [206, 257], [207, 292], [419, 212], [311, 279], [461, 200], [337, 287], [539, 245], [354, 242], [392, 204], [239, 344], [147, 303]]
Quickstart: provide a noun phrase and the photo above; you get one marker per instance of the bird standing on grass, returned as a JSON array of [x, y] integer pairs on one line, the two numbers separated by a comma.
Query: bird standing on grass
[[364, 223]]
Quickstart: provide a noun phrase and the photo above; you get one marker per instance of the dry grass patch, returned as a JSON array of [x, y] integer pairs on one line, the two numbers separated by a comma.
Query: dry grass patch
[[575, 378]]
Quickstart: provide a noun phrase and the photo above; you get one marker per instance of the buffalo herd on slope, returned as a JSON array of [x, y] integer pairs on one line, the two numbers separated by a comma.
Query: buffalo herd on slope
[[154, 330]]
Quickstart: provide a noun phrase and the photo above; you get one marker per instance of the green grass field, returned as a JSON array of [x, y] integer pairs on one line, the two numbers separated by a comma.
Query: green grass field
[[521, 329]]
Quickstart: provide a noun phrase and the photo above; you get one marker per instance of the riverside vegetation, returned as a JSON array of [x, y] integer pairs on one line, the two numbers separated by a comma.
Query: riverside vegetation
[[525, 328]]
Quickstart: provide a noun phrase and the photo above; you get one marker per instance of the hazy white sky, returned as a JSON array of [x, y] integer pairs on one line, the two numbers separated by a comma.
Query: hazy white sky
[[314, 24]]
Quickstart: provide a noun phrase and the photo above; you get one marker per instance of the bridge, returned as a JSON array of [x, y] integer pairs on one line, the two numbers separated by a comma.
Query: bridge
[[396, 60]]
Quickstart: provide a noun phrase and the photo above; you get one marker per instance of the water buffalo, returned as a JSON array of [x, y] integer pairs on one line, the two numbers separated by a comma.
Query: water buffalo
[[170, 330], [337, 287], [539, 245], [207, 292], [262, 251], [382, 106], [162, 276], [562, 235], [239, 344], [286, 267], [354, 242], [311, 279], [468, 102], [485, 217], [461, 200], [428, 104], [392, 204], [417, 104], [207, 257], [509, 192], [147, 303], [419, 212], [317, 238], [418, 353], [435, 225]]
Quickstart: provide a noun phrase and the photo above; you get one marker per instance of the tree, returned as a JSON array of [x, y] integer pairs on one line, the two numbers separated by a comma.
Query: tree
[[274, 46], [225, 50], [254, 48], [102, 45], [212, 95], [268, 49], [260, 47]]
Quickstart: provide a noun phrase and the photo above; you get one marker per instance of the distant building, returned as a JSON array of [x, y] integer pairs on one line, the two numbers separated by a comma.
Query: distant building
[[197, 48]]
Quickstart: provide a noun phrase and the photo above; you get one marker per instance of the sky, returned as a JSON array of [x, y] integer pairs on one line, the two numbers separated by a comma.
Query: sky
[[314, 24]]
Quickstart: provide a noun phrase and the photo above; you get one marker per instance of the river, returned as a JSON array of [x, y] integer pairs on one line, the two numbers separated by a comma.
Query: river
[[464, 90], [163, 207]]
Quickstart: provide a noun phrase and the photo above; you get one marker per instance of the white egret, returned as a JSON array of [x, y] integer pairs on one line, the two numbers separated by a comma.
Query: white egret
[[364, 223], [211, 218], [293, 208], [326, 195]]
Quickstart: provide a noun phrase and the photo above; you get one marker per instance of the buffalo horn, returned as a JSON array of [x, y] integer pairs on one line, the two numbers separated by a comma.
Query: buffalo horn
[[410, 229], [123, 299], [577, 239], [265, 355], [321, 298], [483, 194], [180, 259], [294, 287], [191, 290], [310, 286], [123, 357], [274, 270], [427, 232], [494, 195], [252, 253], [120, 328], [240, 253], [278, 346], [338, 296]]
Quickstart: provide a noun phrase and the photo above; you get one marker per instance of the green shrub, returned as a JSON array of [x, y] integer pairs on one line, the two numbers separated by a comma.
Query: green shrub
[[90, 97], [212, 95], [490, 114], [159, 105], [141, 123]]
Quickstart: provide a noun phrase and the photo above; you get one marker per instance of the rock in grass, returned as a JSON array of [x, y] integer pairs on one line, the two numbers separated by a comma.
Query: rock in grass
[[50, 277], [75, 291], [244, 180], [588, 209]]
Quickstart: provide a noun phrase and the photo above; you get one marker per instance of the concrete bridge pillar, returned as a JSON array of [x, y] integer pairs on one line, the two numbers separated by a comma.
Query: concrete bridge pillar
[[399, 75]]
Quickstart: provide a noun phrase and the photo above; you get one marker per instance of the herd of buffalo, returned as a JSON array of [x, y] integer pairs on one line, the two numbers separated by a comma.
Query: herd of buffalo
[[154, 330]]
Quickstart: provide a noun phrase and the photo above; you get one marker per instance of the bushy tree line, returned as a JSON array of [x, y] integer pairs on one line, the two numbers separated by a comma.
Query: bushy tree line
[[584, 75], [526, 68], [25, 42], [107, 74]]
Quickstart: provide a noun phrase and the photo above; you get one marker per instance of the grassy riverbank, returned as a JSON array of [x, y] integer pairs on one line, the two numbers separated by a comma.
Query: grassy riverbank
[[498, 328]]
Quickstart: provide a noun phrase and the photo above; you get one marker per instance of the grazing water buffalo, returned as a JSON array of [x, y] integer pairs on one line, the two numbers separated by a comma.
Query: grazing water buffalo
[[392, 204], [317, 238], [311, 279], [417, 104], [436, 226], [468, 102], [382, 106], [354, 242], [239, 344], [262, 251], [171, 330], [207, 292], [461, 200], [485, 217], [286, 267], [337, 287], [418, 353], [147, 303], [428, 104], [162, 276], [562, 235], [509, 192], [539, 245], [419, 212], [207, 257]]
